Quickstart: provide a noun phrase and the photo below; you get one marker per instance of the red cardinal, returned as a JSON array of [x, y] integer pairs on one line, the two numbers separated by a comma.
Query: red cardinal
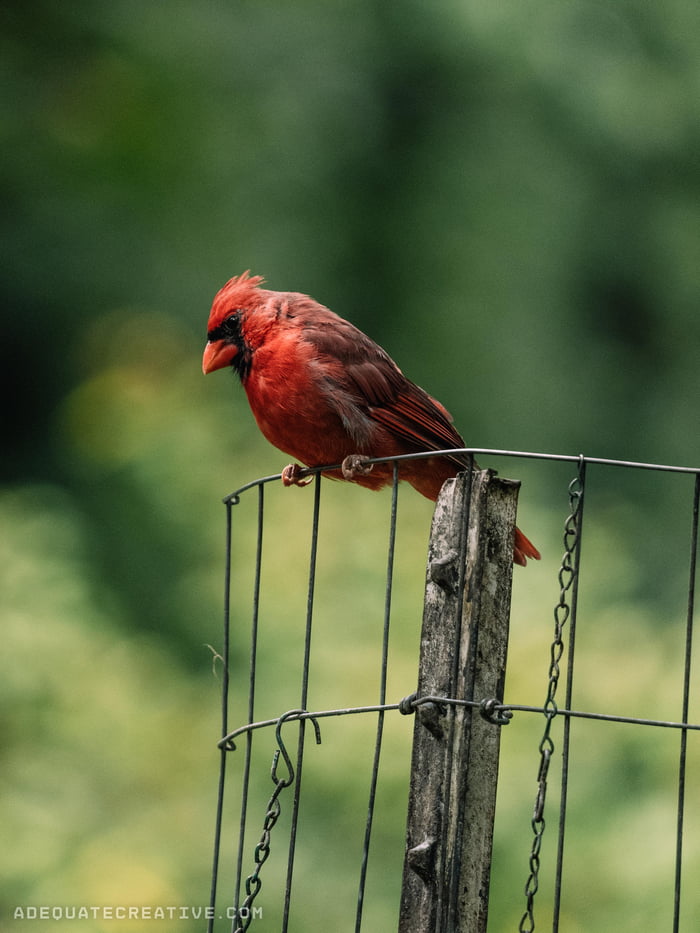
[[324, 393]]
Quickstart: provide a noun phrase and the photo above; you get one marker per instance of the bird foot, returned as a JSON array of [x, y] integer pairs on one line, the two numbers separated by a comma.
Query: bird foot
[[291, 477], [356, 465]]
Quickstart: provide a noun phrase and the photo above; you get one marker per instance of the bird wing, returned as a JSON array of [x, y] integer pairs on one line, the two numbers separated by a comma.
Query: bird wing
[[361, 369], [420, 420]]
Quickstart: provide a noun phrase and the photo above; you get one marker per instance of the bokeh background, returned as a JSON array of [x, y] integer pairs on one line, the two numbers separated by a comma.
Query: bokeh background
[[507, 197]]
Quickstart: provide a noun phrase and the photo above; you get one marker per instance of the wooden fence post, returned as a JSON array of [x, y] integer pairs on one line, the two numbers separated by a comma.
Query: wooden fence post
[[454, 768]]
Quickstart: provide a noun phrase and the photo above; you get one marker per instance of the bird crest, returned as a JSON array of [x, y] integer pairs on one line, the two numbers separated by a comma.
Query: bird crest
[[236, 293]]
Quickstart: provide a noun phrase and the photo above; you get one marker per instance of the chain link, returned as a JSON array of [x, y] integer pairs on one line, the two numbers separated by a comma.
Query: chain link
[[253, 883], [562, 611]]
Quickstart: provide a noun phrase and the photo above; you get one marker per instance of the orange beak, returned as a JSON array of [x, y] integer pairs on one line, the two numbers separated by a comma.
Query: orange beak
[[217, 354]]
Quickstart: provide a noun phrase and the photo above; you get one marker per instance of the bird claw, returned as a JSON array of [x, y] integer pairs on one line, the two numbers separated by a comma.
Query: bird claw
[[356, 465], [291, 477]]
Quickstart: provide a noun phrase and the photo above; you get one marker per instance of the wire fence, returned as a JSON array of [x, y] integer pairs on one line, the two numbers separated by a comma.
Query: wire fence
[[260, 802]]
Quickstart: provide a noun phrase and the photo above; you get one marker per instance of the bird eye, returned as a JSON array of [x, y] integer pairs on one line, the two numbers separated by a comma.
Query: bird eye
[[231, 325], [229, 328]]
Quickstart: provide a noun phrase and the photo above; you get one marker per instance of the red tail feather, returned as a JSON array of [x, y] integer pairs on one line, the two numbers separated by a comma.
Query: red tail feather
[[523, 548]]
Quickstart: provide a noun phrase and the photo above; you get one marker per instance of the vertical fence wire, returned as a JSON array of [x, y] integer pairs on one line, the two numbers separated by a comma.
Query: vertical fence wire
[[313, 554], [382, 699], [304, 694], [245, 780], [568, 576], [451, 909], [579, 500], [218, 825], [686, 705]]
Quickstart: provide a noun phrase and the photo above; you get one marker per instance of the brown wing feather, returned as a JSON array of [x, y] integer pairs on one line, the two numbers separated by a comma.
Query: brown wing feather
[[379, 388], [420, 420]]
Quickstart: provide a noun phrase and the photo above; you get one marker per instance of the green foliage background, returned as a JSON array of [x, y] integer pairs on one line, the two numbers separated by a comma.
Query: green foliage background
[[506, 195]]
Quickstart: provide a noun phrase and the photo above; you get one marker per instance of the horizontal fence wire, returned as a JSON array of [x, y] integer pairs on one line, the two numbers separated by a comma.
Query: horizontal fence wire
[[234, 497], [287, 769], [489, 707]]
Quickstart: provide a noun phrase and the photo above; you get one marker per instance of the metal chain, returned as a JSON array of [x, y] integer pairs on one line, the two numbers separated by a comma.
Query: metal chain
[[272, 814], [562, 611], [262, 849]]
